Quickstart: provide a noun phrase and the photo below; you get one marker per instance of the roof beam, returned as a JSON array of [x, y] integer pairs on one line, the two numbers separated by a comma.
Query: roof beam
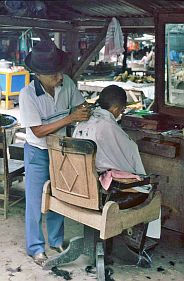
[[34, 23], [124, 30], [124, 22], [137, 22], [144, 5]]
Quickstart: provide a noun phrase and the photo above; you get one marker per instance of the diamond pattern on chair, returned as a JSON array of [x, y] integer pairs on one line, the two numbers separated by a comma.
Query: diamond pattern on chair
[[65, 166], [65, 170]]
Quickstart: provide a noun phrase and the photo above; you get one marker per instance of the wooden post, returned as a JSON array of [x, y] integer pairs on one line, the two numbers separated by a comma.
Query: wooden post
[[72, 38], [58, 39], [125, 52], [88, 56]]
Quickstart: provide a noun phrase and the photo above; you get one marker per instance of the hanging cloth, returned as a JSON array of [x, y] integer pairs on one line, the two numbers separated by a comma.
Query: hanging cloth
[[114, 41]]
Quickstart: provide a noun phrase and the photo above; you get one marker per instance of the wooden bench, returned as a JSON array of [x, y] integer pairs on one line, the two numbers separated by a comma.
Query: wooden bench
[[75, 192]]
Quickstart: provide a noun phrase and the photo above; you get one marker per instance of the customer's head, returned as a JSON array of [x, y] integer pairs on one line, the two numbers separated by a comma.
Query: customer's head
[[113, 99], [47, 62]]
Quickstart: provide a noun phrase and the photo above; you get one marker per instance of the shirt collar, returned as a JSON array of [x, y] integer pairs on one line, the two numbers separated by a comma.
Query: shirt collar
[[38, 87], [40, 90]]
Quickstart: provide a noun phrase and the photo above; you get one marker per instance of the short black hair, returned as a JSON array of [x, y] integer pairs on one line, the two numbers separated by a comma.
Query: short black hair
[[112, 95]]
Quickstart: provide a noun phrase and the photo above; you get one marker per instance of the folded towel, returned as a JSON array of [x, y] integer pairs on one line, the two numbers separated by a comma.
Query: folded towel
[[106, 178]]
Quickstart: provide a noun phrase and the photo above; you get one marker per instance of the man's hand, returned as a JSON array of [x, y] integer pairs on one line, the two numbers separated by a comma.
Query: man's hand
[[81, 113]]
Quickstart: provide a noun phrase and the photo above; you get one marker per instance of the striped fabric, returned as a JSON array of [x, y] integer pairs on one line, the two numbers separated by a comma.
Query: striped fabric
[[114, 41]]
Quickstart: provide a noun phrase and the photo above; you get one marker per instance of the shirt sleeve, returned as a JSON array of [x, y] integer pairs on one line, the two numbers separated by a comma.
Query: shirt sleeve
[[29, 114], [76, 98]]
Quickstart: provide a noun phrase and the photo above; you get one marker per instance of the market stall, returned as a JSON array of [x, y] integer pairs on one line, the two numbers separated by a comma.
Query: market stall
[[135, 92], [12, 80]]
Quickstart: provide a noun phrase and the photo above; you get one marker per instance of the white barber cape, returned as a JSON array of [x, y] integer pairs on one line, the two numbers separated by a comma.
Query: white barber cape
[[115, 150]]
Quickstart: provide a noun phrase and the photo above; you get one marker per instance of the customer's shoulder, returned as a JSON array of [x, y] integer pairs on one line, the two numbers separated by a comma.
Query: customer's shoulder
[[115, 130]]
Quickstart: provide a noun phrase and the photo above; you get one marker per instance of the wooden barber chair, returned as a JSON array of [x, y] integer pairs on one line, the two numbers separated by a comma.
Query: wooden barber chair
[[75, 192]]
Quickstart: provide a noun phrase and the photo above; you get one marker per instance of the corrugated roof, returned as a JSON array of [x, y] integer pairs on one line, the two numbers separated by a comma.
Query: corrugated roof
[[86, 9], [82, 14], [110, 8]]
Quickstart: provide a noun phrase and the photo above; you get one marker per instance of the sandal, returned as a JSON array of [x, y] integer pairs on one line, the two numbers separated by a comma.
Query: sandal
[[40, 258]]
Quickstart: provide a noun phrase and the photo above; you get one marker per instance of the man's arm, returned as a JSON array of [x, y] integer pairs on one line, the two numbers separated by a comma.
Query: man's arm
[[82, 113]]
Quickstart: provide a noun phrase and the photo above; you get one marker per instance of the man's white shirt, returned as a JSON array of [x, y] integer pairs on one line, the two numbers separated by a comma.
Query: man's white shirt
[[39, 109]]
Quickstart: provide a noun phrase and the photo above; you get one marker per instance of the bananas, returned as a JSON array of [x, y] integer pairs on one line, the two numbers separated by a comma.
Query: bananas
[[124, 77]]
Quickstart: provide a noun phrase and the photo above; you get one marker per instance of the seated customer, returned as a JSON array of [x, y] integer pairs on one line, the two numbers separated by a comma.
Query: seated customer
[[115, 149]]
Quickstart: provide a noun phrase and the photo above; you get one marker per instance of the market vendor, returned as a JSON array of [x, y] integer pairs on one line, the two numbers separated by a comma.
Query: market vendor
[[47, 105]]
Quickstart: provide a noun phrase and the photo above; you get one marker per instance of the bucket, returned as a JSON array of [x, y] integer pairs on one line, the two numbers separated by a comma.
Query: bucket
[[5, 64]]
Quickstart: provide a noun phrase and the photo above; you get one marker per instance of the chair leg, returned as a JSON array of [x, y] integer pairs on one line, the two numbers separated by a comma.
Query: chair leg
[[144, 259], [109, 246], [108, 251], [100, 266], [143, 240], [91, 237], [93, 247], [136, 242], [6, 198], [5, 209]]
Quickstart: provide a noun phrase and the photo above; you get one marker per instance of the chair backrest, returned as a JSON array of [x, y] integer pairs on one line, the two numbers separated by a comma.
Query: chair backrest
[[3, 154], [72, 171]]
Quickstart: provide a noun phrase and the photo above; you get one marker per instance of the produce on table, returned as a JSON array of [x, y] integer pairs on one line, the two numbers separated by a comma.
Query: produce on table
[[124, 77]]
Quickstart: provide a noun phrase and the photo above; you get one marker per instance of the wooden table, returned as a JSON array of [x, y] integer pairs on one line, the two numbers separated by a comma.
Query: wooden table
[[135, 92], [12, 82]]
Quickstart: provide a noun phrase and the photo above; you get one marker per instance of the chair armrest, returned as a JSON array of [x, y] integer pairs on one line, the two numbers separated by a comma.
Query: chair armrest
[[122, 184], [126, 181]]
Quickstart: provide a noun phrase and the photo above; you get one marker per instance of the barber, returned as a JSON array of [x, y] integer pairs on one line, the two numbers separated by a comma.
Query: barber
[[47, 105]]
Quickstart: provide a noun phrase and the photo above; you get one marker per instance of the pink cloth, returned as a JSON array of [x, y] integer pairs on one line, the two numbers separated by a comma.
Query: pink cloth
[[106, 178]]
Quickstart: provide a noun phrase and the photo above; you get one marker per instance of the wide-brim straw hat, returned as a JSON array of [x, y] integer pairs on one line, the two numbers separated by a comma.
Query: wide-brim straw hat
[[46, 58]]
